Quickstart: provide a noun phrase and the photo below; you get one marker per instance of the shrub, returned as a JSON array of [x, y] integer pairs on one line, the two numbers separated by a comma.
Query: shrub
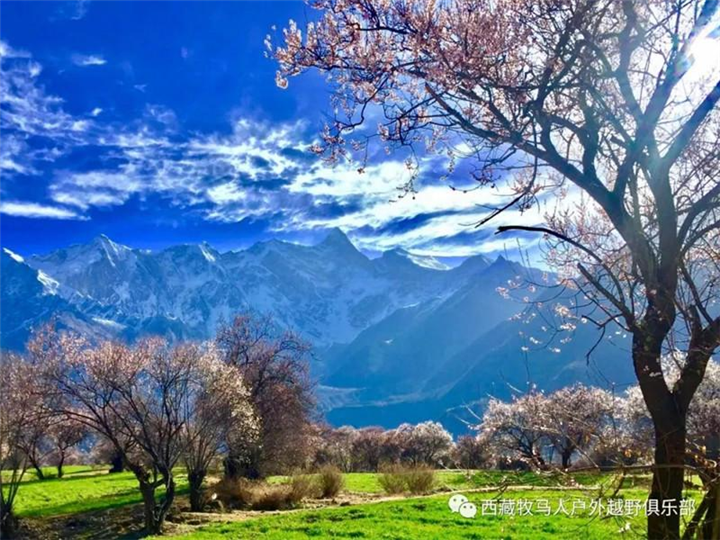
[[275, 497], [419, 479], [392, 479], [331, 481], [242, 493], [234, 493], [303, 487]]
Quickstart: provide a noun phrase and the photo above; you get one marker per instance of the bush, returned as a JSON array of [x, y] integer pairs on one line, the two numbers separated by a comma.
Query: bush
[[330, 481], [420, 479], [397, 479], [392, 479], [233, 493], [253, 495], [303, 487], [275, 497]]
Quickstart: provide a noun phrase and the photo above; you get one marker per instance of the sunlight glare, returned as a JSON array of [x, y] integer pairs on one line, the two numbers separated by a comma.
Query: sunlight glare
[[706, 53]]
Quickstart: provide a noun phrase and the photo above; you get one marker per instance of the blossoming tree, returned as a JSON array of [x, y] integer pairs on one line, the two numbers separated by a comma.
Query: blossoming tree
[[17, 414], [600, 101], [148, 400]]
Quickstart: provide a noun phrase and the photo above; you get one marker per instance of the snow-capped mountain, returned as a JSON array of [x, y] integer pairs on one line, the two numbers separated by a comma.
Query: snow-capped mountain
[[329, 292], [396, 338], [31, 297]]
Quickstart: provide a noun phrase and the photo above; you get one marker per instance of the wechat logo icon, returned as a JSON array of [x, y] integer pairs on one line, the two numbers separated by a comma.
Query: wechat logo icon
[[460, 504]]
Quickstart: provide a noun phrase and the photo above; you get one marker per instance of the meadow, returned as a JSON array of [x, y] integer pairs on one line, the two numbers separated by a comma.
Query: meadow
[[89, 503]]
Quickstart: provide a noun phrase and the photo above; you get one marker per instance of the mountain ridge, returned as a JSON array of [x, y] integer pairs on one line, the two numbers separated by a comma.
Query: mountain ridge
[[394, 338]]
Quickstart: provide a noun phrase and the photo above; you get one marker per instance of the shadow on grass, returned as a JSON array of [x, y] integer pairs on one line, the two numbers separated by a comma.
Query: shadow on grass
[[112, 516], [105, 502]]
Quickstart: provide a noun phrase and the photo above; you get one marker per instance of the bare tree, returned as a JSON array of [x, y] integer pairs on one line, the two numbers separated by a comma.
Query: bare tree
[[335, 447], [472, 452], [17, 416], [598, 101], [139, 398], [274, 366], [36, 445], [64, 434], [368, 449]]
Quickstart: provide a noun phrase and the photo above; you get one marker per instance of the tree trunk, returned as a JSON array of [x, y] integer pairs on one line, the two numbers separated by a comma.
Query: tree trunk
[[565, 456], [195, 479], [233, 468], [711, 523], [236, 468], [8, 524], [156, 512], [167, 501], [667, 482], [60, 464], [116, 464], [38, 469], [148, 495]]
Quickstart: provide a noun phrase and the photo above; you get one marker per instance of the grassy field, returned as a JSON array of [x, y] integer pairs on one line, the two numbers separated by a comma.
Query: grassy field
[[92, 492], [453, 480], [82, 489], [427, 519]]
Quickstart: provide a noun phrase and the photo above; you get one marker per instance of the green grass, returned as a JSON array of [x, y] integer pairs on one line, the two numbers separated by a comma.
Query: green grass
[[428, 519], [69, 471], [84, 490], [453, 480]]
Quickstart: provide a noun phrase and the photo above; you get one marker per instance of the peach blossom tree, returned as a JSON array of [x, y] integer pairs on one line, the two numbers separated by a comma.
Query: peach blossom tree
[[605, 108], [148, 400], [18, 415]]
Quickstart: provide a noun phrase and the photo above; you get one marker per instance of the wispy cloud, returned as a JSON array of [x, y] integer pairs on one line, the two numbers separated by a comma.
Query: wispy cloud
[[35, 210], [6, 51], [79, 9], [74, 10], [87, 60], [255, 170]]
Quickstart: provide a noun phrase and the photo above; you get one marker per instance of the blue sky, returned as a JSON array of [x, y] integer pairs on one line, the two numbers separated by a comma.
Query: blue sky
[[159, 123]]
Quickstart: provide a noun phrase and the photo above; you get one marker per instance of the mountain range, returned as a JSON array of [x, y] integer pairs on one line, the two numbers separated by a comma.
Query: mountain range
[[396, 338]]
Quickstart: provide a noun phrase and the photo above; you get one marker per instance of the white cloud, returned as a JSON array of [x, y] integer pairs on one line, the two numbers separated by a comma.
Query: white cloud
[[6, 51], [87, 60], [80, 9], [258, 170], [72, 10], [253, 149], [35, 210], [226, 193]]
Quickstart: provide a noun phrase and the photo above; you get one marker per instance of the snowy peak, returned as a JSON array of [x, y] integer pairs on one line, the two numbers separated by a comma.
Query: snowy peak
[[109, 250], [501, 265], [329, 292], [423, 261], [202, 251], [473, 265], [79, 256], [18, 275], [14, 256], [337, 244], [337, 238]]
